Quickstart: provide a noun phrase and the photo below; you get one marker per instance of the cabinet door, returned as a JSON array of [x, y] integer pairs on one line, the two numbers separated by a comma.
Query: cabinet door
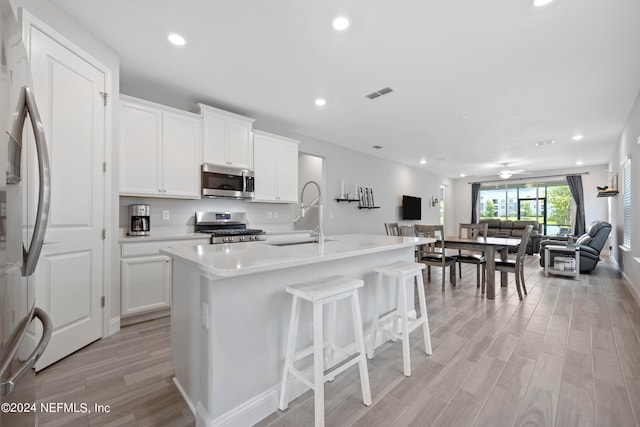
[[287, 172], [264, 152], [214, 149], [140, 142], [146, 284], [180, 156], [240, 147]]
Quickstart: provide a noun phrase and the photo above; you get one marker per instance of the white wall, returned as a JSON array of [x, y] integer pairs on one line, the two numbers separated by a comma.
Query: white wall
[[628, 258], [595, 208], [310, 168], [59, 21], [388, 180]]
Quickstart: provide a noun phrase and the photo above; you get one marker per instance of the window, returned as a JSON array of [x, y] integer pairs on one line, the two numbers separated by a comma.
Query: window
[[626, 194], [549, 203]]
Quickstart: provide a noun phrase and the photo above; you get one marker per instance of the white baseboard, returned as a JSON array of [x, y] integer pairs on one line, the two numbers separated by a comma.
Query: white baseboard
[[114, 325], [144, 317], [634, 292]]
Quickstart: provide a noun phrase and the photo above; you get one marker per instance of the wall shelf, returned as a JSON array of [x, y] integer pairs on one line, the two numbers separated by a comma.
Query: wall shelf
[[608, 193], [358, 201]]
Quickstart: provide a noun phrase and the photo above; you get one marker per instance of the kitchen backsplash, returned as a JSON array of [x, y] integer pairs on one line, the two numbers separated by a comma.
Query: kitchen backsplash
[[272, 217]]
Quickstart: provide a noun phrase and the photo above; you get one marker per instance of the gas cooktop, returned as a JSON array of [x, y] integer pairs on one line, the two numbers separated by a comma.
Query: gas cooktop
[[227, 227]]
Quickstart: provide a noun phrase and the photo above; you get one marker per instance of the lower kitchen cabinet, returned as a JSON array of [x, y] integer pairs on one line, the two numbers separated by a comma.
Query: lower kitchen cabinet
[[146, 279], [146, 284]]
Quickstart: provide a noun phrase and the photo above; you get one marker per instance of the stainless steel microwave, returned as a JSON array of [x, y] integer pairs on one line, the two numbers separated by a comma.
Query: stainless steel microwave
[[220, 181]]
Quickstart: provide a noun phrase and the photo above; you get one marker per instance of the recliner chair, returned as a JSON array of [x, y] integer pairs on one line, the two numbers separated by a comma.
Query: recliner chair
[[590, 243]]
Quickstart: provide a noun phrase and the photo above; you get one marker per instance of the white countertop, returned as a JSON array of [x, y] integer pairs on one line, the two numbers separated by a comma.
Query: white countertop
[[171, 233], [237, 259], [158, 236]]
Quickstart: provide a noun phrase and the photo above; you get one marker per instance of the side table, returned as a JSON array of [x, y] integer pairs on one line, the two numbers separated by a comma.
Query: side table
[[569, 251]]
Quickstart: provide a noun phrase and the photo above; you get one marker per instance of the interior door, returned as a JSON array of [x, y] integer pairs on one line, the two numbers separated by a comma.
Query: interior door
[[68, 278]]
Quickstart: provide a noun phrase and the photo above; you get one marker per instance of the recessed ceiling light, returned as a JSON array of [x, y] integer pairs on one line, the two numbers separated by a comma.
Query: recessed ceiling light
[[423, 162], [462, 175], [579, 163], [577, 137], [540, 3], [177, 39], [320, 102], [341, 23]]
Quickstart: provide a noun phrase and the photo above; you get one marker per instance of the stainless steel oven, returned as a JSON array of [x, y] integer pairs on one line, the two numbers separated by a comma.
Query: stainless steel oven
[[219, 181]]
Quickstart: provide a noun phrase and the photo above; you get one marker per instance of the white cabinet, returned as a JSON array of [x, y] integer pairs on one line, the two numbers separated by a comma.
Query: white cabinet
[[275, 168], [146, 276], [160, 150], [227, 138], [146, 284]]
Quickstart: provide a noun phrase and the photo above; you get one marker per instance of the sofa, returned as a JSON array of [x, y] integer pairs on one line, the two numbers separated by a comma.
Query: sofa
[[515, 229], [590, 243]]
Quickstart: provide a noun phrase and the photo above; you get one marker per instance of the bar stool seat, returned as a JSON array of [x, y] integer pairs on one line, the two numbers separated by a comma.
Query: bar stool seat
[[400, 271], [320, 292]]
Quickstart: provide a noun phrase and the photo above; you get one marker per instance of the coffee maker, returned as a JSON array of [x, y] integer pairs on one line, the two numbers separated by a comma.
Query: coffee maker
[[139, 220]]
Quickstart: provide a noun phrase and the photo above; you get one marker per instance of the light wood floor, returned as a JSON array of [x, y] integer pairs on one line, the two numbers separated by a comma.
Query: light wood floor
[[568, 355], [130, 371]]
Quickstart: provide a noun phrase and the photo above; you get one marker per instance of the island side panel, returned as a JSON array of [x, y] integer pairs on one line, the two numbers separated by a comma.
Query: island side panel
[[249, 318], [187, 332]]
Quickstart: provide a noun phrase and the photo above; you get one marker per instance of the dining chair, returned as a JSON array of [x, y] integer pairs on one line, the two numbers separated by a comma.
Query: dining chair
[[473, 231], [433, 254], [392, 228], [407, 230], [516, 266]]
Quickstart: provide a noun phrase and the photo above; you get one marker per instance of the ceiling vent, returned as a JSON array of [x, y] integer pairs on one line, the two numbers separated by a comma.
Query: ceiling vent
[[379, 92], [545, 142], [377, 147]]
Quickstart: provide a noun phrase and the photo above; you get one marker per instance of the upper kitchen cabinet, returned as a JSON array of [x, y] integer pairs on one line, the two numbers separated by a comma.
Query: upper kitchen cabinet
[[275, 161], [227, 138], [160, 150]]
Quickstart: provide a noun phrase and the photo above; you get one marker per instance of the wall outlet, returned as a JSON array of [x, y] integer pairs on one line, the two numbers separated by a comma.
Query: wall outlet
[[205, 315], [275, 214], [269, 214], [166, 215]]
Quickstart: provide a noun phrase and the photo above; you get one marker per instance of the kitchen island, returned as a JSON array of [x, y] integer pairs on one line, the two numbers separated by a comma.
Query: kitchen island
[[230, 314]]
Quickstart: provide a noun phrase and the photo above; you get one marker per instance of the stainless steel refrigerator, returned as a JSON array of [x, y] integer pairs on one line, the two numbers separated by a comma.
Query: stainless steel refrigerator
[[20, 245]]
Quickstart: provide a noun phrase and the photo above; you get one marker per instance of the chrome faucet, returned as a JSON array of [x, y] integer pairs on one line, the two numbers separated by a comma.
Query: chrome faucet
[[316, 202]]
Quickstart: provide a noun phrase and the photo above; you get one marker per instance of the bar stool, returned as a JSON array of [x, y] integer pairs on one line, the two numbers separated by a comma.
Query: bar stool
[[400, 271], [320, 292]]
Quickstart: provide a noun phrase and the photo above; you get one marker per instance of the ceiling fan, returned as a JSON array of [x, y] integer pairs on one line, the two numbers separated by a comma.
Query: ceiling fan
[[506, 173]]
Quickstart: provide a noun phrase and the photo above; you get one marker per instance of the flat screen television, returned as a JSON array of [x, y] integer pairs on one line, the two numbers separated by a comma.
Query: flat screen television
[[411, 207]]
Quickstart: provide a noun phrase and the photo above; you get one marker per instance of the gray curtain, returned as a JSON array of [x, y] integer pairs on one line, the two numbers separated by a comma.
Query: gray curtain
[[575, 185], [475, 192]]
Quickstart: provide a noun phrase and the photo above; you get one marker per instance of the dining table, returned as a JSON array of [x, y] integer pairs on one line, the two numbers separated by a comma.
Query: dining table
[[489, 246]]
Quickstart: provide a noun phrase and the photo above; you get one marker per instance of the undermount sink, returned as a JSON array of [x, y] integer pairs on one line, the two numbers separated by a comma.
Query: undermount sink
[[298, 242]]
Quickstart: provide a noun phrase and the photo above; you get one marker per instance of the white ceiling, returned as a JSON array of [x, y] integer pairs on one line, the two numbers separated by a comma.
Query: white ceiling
[[475, 83]]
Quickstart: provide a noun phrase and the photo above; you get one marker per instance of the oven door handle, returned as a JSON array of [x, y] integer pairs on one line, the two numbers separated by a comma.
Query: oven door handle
[[47, 328]]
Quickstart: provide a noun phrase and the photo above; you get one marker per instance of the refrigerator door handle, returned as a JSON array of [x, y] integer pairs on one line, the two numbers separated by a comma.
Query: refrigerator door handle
[[47, 327], [27, 104]]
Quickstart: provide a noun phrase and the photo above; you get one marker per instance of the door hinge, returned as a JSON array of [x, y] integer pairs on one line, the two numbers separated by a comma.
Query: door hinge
[[104, 234], [102, 301], [104, 167], [104, 96]]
